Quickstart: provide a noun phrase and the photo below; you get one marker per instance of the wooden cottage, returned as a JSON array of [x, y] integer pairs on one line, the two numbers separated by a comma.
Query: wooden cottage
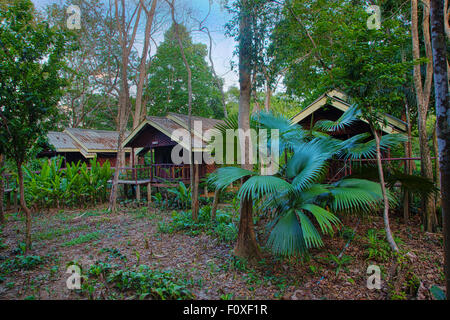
[[75, 145], [331, 106], [155, 138]]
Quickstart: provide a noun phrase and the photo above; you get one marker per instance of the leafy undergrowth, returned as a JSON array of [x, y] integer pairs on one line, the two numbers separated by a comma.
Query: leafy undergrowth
[[141, 253], [140, 282], [224, 227]]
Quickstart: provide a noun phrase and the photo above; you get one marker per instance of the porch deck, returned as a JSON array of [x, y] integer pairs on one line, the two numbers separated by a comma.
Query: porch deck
[[155, 174]]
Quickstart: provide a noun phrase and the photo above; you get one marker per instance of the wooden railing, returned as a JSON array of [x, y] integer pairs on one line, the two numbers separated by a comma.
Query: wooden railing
[[340, 168], [157, 173], [9, 182]]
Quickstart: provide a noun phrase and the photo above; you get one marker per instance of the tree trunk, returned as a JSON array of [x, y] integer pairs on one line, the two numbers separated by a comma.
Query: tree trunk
[[387, 227], [218, 83], [246, 245], [443, 124], [2, 191], [25, 209], [143, 67], [436, 166], [215, 204], [194, 203], [408, 166], [268, 97], [124, 104], [423, 97]]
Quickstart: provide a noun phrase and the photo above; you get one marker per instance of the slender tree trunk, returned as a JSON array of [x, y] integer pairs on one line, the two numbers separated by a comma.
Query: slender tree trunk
[[215, 204], [143, 67], [195, 204], [423, 97], [436, 166], [387, 227], [442, 99], [218, 83], [268, 97], [25, 209], [124, 104], [194, 187], [2, 191], [408, 167], [246, 245]]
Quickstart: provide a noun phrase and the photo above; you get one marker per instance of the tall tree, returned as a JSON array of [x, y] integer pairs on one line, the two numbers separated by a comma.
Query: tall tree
[[94, 70], [140, 108], [30, 85], [423, 93], [193, 165], [2, 188], [442, 99], [126, 42], [246, 245], [167, 79]]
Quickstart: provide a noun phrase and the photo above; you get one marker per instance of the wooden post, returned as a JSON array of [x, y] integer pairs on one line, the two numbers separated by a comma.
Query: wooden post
[[149, 194], [138, 192], [8, 199], [14, 194]]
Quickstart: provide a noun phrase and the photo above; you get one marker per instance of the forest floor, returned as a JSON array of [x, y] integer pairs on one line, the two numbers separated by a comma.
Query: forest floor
[[203, 265]]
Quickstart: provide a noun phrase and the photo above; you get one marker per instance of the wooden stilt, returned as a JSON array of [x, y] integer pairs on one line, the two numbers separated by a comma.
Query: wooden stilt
[[8, 200], [138, 192], [149, 194], [16, 207]]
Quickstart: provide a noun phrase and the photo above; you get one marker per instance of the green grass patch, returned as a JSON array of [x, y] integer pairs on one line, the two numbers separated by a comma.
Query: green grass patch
[[55, 233], [83, 239]]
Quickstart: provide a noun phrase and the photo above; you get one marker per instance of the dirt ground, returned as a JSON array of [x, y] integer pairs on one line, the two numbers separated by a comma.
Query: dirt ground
[[86, 236]]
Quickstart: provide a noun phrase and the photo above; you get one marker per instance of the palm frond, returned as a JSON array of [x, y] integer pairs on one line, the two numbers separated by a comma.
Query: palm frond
[[225, 176], [286, 237], [324, 218], [310, 235], [357, 195], [258, 186], [348, 118]]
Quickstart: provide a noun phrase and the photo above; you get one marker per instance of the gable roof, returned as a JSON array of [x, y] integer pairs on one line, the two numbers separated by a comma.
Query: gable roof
[[95, 140], [175, 121], [62, 142], [86, 141], [338, 100]]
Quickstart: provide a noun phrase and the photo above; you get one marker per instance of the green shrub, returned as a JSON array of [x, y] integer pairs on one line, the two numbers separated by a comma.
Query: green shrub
[[227, 232], [150, 283], [137, 282], [377, 248], [20, 262]]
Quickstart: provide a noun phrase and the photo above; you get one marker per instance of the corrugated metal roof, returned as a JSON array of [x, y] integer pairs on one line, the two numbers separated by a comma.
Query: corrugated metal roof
[[61, 140], [95, 139], [170, 126], [207, 123]]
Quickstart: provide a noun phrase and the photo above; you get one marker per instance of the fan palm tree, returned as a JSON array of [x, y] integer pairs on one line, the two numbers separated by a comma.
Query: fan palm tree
[[302, 206]]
